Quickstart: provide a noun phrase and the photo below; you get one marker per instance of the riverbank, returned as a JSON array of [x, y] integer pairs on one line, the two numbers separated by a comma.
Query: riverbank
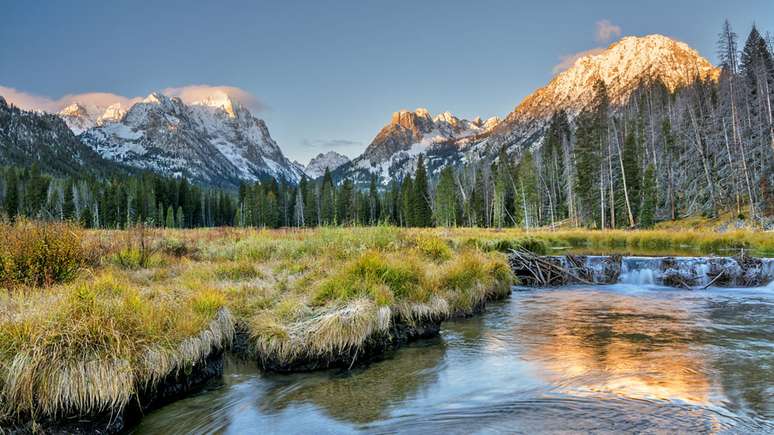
[[147, 306], [94, 321]]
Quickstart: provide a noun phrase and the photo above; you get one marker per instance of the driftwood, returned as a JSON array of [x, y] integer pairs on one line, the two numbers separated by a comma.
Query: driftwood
[[534, 270]]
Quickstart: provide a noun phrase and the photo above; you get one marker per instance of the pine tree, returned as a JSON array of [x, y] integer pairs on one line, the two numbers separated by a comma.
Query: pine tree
[[344, 206], [170, 221], [327, 199], [423, 215], [590, 135], [647, 215], [374, 207], [11, 202], [180, 218], [407, 202], [446, 202], [631, 167], [526, 198]]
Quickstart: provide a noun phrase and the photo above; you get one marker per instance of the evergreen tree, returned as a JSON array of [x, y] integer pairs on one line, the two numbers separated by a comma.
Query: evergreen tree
[[11, 202], [407, 202], [180, 218], [446, 201], [423, 215], [344, 206], [170, 221], [591, 135], [327, 200], [374, 207], [647, 216], [631, 166], [526, 198]]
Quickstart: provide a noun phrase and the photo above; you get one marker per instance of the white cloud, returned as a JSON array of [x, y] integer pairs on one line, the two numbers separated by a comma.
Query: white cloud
[[188, 94], [192, 93], [606, 31], [568, 60]]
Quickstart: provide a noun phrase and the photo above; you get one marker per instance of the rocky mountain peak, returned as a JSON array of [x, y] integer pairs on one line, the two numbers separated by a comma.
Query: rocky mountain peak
[[221, 100], [330, 160], [418, 120], [215, 141], [623, 66], [74, 109]]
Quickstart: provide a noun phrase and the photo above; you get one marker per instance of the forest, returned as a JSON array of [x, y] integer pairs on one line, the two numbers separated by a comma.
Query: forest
[[700, 150]]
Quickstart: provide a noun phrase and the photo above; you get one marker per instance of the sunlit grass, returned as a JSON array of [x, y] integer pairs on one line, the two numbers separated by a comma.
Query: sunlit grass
[[103, 313]]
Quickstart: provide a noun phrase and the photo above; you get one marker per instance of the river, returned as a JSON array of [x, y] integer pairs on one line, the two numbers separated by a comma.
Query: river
[[622, 358]]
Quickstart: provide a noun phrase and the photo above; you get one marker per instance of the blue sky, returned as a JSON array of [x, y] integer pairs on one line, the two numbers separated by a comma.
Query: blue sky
[[328, 74]]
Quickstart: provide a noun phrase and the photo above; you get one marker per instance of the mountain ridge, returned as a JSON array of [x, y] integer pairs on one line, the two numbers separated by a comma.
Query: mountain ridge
[[622, 66]]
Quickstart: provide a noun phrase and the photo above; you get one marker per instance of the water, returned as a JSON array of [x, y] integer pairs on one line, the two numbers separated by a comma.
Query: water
[[616, 358]]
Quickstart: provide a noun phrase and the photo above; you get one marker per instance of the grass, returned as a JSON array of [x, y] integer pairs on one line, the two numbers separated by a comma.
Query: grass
[[144, 304], [89, 318]]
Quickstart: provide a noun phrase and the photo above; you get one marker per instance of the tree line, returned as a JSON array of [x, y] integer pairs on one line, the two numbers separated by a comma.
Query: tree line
[[664, 154]]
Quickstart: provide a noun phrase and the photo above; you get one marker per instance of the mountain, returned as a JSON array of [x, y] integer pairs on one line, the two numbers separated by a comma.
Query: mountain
[[215, 141], [446, 140], [80, 117], [623, 66], [41, 138], [394, 150], [330, 160]]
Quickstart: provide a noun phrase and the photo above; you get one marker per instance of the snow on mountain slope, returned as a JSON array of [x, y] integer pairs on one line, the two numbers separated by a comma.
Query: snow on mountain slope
[[445, 140], [81, 117], [394, 150], [330, 160], [623, 66], [216, 141]]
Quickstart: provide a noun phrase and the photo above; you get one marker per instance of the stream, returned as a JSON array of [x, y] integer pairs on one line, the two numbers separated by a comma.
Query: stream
[[623, 357]]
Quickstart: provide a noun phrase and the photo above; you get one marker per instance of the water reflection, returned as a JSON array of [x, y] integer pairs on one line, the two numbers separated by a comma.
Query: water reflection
[[623, 345], [617, 358], [365, 394]]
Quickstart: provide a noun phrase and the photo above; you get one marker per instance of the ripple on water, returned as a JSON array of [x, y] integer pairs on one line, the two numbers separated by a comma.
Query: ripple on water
[[607, 358]]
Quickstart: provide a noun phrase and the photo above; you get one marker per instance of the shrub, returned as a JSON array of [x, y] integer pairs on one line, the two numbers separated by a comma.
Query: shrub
[[434, 248], [39, 254], [138, 250]]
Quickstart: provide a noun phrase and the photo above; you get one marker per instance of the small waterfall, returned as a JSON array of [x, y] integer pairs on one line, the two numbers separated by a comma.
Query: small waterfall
[[680, 272], [639, 270]]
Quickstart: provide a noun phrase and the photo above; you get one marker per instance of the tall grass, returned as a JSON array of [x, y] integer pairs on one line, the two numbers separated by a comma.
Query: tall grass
[[157, 303]]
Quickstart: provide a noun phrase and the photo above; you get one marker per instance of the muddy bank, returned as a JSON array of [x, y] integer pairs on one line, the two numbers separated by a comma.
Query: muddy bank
[[679, 272], [376, 347], [173, 387]]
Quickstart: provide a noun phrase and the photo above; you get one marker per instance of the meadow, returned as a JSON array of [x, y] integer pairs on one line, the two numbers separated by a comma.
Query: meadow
[[88, 318]]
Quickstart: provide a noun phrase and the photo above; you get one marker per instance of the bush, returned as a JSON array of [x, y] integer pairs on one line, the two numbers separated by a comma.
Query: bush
[[138, 251], [39, 254]]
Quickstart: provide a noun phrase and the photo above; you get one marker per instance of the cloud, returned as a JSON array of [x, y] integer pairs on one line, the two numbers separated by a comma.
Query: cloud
[[330, 144], [188, 94], [606, 31], [568, 60], [192, 93]]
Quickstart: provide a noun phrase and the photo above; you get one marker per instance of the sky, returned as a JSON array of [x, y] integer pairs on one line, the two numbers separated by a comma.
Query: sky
[[328, 74]]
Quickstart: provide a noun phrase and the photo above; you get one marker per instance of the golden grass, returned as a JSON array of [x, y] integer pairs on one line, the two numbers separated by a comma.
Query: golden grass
[[91, 344]]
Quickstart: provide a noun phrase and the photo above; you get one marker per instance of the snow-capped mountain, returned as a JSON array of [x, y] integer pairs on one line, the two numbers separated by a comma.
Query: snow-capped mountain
[[330, 160], [215, 141], [28, 137], [81, 117], [394, 150], [445, 140], [623, 66]]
